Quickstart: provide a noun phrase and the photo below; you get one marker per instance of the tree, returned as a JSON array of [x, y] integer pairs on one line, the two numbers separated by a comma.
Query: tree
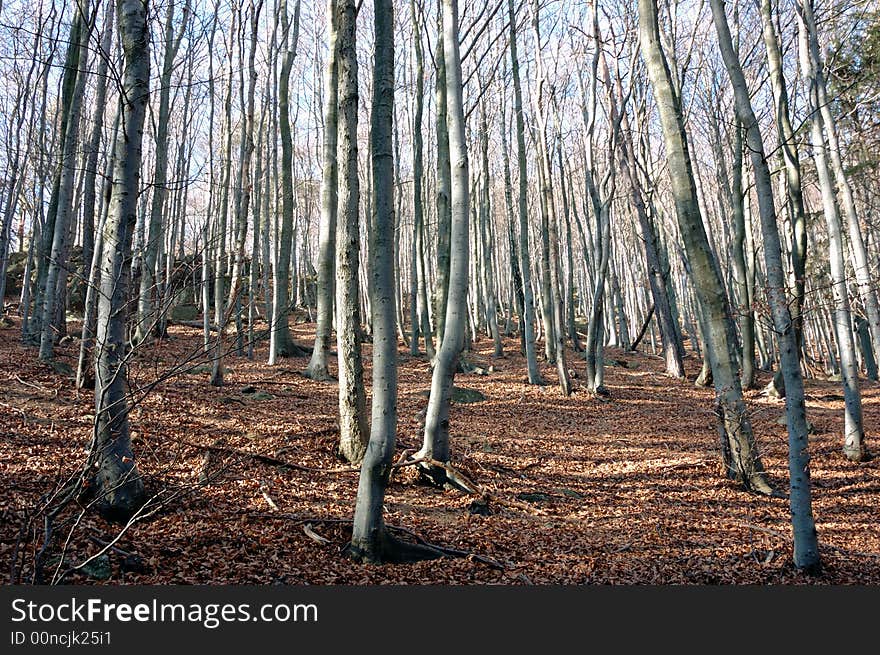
[[854, 435], [739, 451], [806, 546], [317, 368], [528, 316], [117, 484], [281, 344], [353, 427], [147, 319], [56, 236], [370, 540], [436, 437]]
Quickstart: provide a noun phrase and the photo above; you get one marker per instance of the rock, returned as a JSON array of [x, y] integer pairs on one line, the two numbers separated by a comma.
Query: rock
[[61, 368], [261, 395], [134, 564], [184, 312], [480, 507], [98, 568], [463, 395], [249, 389], [571, 493], [536, 497]]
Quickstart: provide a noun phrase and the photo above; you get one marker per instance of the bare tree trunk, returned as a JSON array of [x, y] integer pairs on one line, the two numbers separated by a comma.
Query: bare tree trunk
[[370, 540], [317, 368], [485, 234], [806, 546], [354, 432], [147, 318], [524, 253], [444, 192], [797, 213], [419, 269], [117, 483], [854, 435], [281, 343], [53, 295], [740, 452], [436, 441], [84, 370]]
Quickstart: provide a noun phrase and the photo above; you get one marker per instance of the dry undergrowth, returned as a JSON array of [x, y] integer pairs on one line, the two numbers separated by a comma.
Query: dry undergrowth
[[582, 490]]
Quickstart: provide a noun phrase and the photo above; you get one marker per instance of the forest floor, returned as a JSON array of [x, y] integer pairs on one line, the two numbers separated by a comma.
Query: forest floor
[[583, 490]]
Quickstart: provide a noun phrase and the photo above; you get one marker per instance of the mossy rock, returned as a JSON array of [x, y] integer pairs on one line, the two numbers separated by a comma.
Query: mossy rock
[[463, 395], [184, 312], [61, 368], [261, 395], [99, 568]]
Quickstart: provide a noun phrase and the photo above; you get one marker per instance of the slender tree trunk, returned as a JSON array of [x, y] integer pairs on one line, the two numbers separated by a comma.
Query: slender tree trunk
[[486, 261], [672, 353], [797, 213], [281, 343], [741, 458], [806, 546], [117, 483], [444, 192], [147, 318], [84, 370], [354, 432], [436, 441], [528, 327], [53, 293], [370, 540], [854, 435], [317, 368]]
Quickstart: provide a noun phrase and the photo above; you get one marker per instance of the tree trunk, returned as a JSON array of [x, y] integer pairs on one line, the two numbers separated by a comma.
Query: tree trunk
[[353, 428], [281, 344], [53, 293], [370, 540], [317, 368], [117, 483], [797, 213], [854, 436], [148, 320], [436, 440], [528, 318], [738, 446], [806, 546]]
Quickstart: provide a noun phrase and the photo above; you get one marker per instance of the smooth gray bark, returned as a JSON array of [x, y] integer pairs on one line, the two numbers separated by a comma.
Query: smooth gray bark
[[739, 450], [370, 540], [528, 318], [280, 343], [854, 435], [148, 321], [436, 436], [317, 368], [118, 483], [806, 546], [53, 293]]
